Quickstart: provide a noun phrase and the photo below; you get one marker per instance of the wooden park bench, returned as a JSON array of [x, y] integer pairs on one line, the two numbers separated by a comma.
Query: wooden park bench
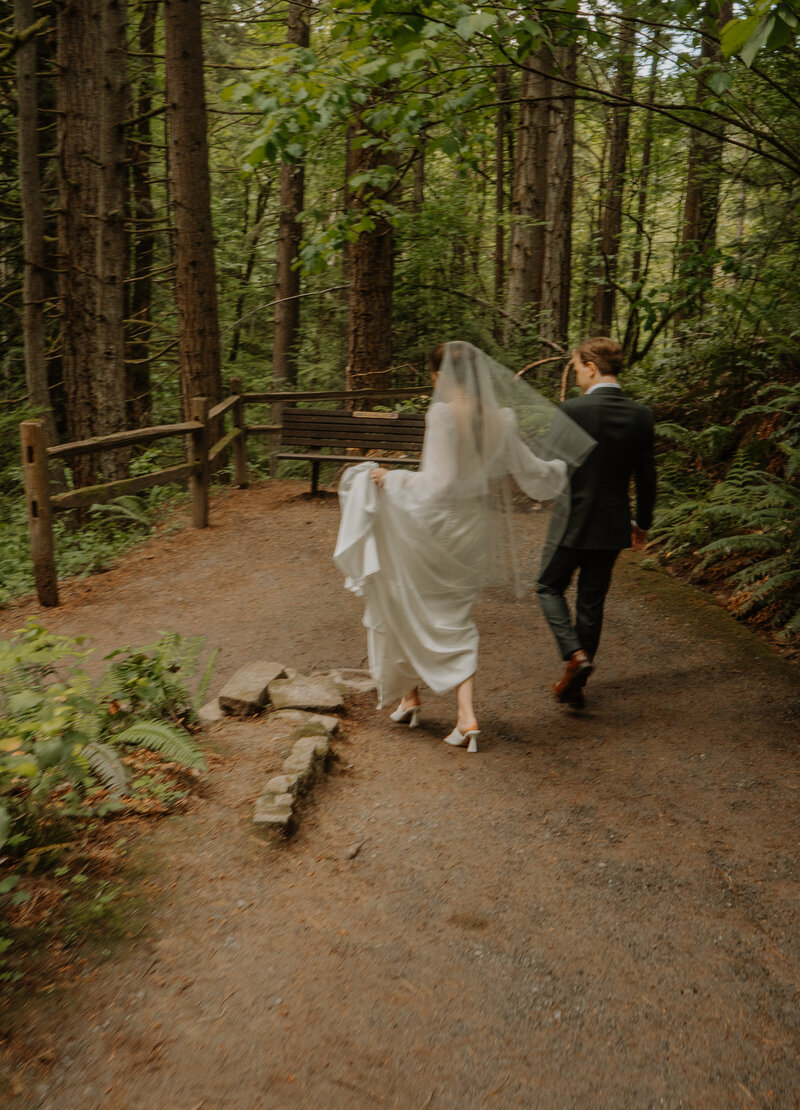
[[343, 436]]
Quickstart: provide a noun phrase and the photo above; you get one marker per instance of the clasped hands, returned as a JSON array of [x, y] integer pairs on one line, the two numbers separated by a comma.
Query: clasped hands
[[378, 474]]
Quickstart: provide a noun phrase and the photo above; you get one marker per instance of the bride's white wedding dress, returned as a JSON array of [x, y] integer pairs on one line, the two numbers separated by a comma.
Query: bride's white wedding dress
[[418, 548]]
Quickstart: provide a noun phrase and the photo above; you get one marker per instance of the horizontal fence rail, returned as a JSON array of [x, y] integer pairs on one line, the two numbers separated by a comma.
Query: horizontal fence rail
[[202, 455]]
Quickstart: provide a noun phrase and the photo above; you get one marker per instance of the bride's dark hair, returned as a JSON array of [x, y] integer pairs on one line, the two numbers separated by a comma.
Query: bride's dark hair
[[435, 358]]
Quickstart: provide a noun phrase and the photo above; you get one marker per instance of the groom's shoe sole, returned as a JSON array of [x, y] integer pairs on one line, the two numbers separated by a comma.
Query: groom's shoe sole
[[575, 700], [569, 689]]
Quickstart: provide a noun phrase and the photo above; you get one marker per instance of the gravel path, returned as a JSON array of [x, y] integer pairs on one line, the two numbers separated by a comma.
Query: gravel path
[[593, 911]]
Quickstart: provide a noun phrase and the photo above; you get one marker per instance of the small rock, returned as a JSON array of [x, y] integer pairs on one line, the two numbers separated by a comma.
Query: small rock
[[307, 757], [305, 693], [350, 681], [282, 784], [354, 849], [247, 692], [274, 815], [210, 713], [307, 721]]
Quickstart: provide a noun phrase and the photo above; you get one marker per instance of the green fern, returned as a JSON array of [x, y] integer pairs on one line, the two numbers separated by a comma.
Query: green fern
[[157, 736], [750, 515], [106, 766]]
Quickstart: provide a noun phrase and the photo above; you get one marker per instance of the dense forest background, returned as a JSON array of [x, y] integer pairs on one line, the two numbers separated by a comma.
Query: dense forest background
[[311, 195]]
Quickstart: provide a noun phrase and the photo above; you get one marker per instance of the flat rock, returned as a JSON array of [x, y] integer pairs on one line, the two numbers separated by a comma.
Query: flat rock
[[306, 761], [282, 784], [246, 692], [274, 814], [210, 713], [297, 718], [303, 692], [350, 680]]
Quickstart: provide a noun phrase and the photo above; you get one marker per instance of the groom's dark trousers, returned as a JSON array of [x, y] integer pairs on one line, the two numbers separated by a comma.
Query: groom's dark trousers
[[599, 522]]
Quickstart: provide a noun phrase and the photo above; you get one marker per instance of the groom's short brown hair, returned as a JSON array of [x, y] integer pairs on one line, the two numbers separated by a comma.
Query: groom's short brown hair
[[605, 353]]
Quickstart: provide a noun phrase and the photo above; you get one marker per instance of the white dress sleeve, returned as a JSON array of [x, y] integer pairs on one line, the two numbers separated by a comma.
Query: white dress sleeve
[[413, 489], [540, 479]]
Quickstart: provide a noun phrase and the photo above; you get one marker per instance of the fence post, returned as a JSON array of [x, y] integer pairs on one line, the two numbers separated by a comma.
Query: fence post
[[202, 476], [240, 443], [40, 513]]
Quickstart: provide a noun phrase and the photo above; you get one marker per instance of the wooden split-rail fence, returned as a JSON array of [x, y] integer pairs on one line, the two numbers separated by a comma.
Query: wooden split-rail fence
[[42, 502]]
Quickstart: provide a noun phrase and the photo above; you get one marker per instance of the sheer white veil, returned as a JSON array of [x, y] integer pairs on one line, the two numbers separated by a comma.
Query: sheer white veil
[[493, 417]]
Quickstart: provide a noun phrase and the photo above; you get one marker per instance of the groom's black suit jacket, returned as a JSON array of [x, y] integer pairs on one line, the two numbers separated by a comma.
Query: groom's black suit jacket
[[600, 516]]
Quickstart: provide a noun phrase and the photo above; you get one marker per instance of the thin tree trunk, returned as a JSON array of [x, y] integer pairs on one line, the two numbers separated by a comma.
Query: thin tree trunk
[[287, 277], [614, 184], [501, 92], [112, 246], [195, 274], [33, 231], [632, 326], [526, 247], [418, 198], [703, 173], [144, 238], [252, 237], [557, 268]]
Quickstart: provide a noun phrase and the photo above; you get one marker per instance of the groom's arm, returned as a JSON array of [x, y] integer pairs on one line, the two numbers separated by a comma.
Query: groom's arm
[[646, 480]]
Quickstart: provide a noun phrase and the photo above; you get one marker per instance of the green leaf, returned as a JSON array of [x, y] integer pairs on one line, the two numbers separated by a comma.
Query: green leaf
[[720, 83], [5, 828], [24, 702], [736, 33], [757, 41]]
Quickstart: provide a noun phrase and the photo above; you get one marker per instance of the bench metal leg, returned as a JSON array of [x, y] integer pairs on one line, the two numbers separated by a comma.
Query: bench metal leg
[[314, 477]]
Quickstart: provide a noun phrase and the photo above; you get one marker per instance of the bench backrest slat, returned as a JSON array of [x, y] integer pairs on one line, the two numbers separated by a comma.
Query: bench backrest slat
[[313, 428]]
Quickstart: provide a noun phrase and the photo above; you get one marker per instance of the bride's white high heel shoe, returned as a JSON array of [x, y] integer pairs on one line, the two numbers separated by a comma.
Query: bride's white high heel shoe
[[402, 715], [458, 739]]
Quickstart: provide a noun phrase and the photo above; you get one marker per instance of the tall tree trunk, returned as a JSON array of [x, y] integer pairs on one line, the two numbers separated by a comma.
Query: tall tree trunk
[[557, 269], [195, 274], [371, 277], [33, 244], [704, 169], [112, 245], [526, 248], [144, 236], [501, 92], [637, 270], [614, 183], [79, 97], [287, 278]]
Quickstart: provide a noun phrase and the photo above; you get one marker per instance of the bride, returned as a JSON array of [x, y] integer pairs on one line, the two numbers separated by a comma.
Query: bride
[[418, 545]]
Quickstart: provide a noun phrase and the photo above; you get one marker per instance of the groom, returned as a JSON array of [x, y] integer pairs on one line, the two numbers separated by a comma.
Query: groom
[[599, 523]]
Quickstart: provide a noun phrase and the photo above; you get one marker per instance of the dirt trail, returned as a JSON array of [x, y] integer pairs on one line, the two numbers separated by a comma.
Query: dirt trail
[[594, 911]]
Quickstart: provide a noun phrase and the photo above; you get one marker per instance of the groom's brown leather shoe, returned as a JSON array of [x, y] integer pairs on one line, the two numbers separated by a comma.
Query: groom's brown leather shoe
[[569, 688]]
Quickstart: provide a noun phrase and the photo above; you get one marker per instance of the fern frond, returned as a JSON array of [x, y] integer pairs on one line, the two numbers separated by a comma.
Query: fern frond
[[763, 568], [205, 680], [734, 546], [175, 745], [793, 626], [106, 766]]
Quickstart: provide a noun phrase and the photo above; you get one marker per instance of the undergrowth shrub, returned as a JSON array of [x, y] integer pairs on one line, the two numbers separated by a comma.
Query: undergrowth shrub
[[730, 505], [64, 736]]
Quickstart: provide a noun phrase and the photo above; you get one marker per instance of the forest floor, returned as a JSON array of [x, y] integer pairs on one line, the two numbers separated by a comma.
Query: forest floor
[[596, 910]]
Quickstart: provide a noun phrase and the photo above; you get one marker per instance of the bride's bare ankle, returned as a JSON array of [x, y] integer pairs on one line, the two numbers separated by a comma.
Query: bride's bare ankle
[[469, 725]]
